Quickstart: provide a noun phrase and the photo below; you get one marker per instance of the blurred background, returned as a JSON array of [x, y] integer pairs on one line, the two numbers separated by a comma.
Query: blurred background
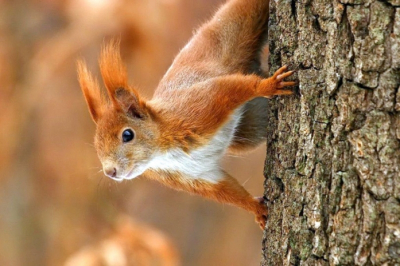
[[56, 207]]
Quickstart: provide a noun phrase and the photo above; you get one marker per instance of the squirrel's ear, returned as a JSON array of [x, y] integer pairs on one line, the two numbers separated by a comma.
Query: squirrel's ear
[[115, 78], [129, 102], [91, 91]]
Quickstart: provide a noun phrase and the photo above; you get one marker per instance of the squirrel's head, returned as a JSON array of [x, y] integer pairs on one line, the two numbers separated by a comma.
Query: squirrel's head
[[126, 134]]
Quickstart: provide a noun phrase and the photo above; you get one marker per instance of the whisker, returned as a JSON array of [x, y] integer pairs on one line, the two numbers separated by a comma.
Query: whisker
[[99, 185], [244, 183], [116, 186], [90, 144]]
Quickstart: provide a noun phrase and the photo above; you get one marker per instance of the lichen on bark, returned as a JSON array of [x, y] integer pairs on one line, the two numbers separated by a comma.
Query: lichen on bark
[[333, 150]]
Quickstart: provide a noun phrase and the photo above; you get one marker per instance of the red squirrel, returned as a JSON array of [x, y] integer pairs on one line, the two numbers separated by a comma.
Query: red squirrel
[[209, 102]]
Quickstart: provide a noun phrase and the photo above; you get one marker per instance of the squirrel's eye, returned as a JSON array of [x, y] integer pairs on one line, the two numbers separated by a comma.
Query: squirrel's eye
[[127, 135]]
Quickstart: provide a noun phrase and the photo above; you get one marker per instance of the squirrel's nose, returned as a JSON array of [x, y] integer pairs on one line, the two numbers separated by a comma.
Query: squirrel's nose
[[110, 171]]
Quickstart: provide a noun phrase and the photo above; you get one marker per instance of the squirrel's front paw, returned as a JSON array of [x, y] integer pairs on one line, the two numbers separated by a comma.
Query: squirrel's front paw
[[273, 85]]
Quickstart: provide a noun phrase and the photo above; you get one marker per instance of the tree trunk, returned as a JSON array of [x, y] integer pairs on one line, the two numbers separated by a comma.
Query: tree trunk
[[333, 158]]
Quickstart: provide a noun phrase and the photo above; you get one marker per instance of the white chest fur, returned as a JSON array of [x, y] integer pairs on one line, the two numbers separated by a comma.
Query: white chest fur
[[202, 163]]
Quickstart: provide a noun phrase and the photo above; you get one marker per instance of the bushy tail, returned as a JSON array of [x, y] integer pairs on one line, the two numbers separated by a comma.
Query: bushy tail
[[237, 34], [230, 42]]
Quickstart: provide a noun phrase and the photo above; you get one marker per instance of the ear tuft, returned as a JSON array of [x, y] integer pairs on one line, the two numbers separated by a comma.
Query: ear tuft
[[91, 91], [112, 68], [115, 79]]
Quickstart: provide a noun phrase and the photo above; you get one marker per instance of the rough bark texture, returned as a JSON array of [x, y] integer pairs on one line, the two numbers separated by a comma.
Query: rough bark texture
[[333, 158]]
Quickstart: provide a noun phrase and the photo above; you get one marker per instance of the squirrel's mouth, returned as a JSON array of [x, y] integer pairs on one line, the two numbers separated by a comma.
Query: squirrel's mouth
[[136, 171], [118, 179]]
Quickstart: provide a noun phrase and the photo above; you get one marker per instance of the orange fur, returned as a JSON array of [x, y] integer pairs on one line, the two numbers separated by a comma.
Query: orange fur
[[227, 191], [91, 91], [227, 93], [209, 81]]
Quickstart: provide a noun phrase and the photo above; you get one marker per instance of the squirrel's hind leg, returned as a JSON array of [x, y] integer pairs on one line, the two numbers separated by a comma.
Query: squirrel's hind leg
[[228, 190]]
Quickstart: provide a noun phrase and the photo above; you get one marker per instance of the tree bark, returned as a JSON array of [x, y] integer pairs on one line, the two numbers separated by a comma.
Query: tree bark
[[333, 158]]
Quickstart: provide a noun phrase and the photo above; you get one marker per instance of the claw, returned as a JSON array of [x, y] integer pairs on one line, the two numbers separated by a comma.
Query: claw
[[286, 84], [284, 75], [260, 199], [262, 221], [280, 71], [283, 92]]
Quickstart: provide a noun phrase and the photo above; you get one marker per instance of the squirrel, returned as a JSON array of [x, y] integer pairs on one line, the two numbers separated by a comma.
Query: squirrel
[[212, 100]]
